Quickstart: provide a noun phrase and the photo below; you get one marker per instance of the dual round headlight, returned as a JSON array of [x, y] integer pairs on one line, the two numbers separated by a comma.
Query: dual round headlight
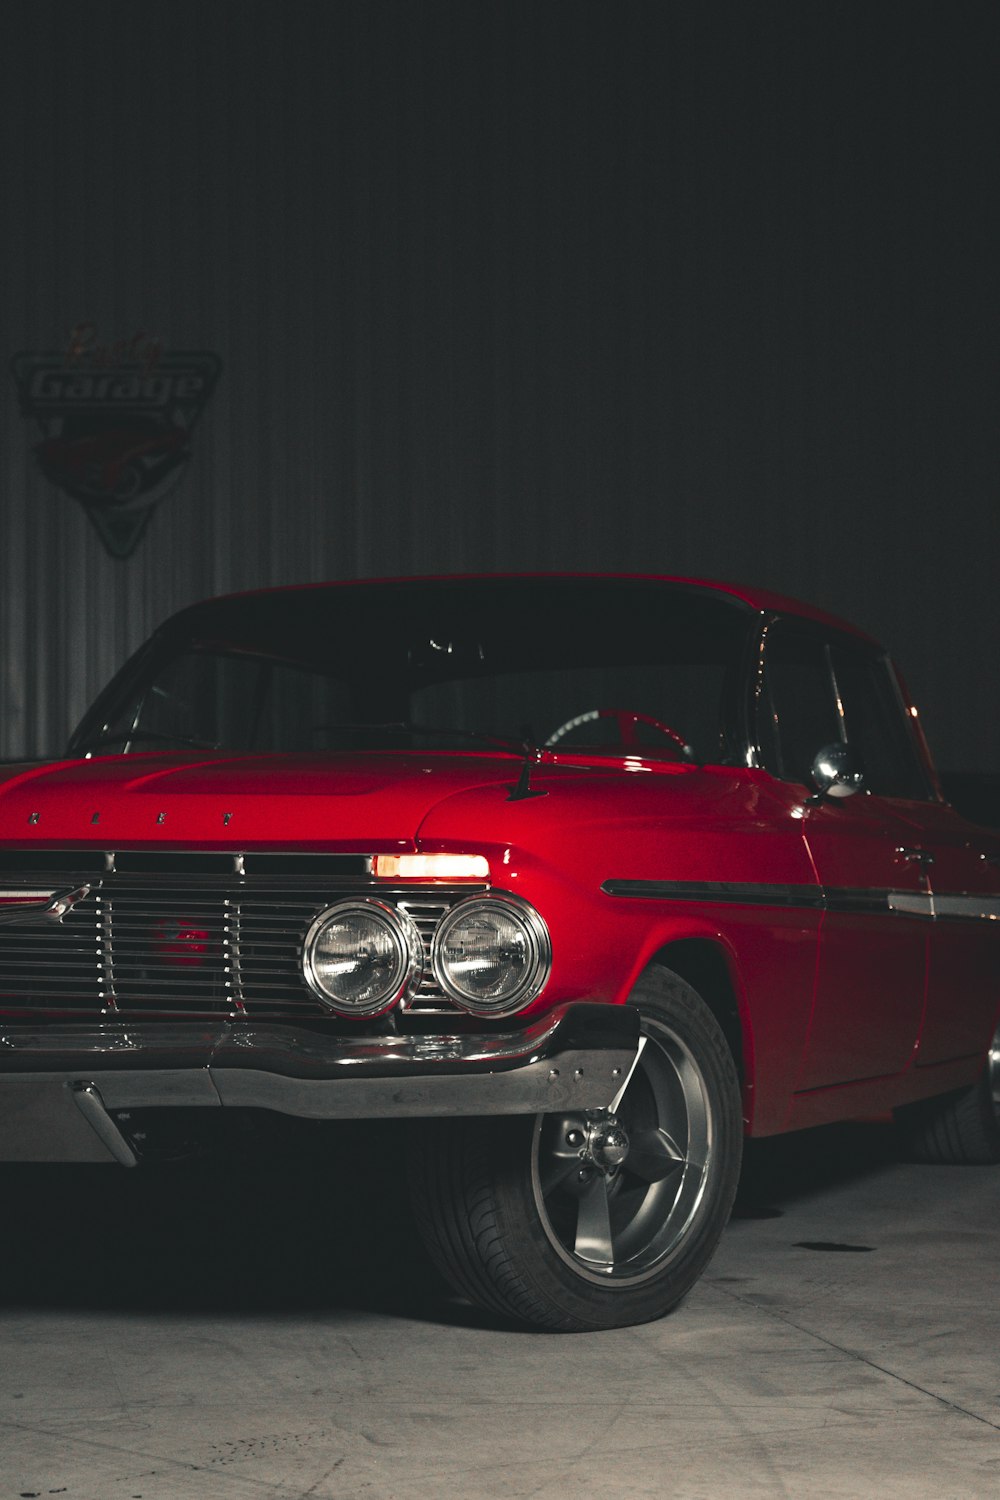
[[490, 955], [360, 957]]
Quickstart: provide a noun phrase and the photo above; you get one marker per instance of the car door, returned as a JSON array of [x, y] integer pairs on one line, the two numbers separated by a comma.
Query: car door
[[872, 952], [961, 910], [963, 981]]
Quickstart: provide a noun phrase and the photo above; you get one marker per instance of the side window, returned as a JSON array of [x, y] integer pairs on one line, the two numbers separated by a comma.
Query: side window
[[797, 711], [876, 724]]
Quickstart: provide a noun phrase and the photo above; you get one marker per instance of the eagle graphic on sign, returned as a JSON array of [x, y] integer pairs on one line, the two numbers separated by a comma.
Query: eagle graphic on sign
[[115, 424]]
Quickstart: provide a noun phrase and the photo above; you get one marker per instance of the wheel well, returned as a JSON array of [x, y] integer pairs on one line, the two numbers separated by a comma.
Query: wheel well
[[703, 964]]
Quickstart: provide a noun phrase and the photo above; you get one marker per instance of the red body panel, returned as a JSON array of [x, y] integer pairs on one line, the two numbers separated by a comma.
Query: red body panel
[[342, 802]]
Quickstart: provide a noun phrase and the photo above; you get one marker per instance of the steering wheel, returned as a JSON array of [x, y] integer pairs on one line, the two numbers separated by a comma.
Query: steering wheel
[[627, 725]]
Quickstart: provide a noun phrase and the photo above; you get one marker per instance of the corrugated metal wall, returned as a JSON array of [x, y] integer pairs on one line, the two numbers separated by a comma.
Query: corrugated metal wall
[[696, 289]]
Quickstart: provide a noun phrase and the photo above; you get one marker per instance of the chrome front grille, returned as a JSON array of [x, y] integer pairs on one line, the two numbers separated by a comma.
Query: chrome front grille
[[55, 967], [190, 948], [426, 913]]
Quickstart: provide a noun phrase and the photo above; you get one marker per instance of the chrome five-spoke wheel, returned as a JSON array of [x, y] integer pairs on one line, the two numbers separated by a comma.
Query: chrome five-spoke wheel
[[598, 1218], [616, 1191]]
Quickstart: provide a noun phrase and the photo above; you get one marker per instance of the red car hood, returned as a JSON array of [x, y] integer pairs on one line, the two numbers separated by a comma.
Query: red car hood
[[372, 801]]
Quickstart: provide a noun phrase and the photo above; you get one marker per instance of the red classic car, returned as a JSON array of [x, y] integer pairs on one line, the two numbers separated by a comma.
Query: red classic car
[[587, 878]]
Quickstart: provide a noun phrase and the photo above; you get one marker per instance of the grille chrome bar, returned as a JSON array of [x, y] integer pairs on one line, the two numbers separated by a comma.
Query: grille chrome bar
[[232, 947], [105, 962]]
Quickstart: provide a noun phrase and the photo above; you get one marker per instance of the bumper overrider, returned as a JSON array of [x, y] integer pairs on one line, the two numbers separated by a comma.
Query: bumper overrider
[[62, 1086]]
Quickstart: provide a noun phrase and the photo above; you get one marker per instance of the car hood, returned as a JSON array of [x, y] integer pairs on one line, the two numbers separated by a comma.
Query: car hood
[[400, 802], [338, 801]]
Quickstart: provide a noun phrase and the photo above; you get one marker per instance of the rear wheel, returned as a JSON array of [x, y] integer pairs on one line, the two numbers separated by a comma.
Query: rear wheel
[[593, 1219], [960, 1129]]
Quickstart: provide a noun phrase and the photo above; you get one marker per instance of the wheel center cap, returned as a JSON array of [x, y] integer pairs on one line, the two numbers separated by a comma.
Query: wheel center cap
[[608, 1145]]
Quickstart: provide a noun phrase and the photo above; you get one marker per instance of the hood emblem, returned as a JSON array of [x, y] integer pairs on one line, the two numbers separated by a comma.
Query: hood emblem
[[51, 906]]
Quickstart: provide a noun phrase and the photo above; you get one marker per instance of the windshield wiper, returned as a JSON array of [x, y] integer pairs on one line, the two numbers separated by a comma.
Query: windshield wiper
[[509, 742], [154, 736]]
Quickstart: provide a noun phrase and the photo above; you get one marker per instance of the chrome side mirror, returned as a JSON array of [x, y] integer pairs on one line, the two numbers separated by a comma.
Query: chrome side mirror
[[837, 772]]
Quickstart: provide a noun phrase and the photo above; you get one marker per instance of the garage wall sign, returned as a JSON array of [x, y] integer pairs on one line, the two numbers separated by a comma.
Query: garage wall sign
[[114, 421]]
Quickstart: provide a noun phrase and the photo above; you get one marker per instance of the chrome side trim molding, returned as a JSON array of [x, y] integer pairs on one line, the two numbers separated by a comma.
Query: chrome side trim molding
[[734, 892], [958, 905], [968, 908], [910, 903]]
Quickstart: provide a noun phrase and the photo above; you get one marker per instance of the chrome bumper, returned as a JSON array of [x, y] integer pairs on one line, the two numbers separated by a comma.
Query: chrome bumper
[[61, 1087]]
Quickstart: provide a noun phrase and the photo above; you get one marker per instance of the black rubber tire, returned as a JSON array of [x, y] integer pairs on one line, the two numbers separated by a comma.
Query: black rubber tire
[[478, 1201], [960, 1129]]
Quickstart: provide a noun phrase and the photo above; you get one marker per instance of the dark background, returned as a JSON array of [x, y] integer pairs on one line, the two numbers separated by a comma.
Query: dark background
[[694, 288]]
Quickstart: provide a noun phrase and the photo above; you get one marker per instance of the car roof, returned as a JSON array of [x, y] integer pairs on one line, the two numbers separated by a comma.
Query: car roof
[[763, 601]]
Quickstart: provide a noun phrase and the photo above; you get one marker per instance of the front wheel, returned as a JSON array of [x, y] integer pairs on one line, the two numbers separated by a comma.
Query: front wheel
[[597, 1218]]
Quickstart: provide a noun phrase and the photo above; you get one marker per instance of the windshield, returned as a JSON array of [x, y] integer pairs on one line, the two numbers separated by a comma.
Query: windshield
[[584, 666]]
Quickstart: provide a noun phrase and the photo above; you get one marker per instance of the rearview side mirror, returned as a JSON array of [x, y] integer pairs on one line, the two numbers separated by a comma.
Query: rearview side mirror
[[837, 772]]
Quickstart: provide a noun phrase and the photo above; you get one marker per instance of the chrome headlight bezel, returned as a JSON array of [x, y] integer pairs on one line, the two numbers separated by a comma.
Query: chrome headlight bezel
[[538, 942], [409, 955]]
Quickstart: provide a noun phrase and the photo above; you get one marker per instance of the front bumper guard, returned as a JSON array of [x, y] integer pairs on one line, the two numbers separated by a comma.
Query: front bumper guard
[[61, 1087]]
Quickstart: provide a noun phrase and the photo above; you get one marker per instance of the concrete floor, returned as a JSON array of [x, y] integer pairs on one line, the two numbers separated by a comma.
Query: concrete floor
[[204, 1332]]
